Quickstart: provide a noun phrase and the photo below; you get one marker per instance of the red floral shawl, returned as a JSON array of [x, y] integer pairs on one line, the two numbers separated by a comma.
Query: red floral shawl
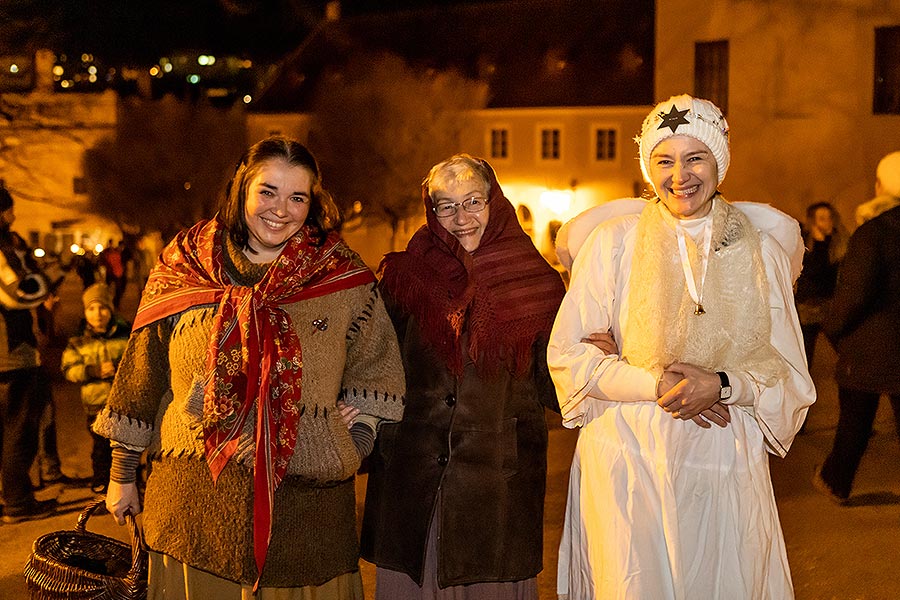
[[254, 352], [504, 294]]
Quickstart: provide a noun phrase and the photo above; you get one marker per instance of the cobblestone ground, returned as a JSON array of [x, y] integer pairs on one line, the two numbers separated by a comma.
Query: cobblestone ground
[[836, 553]]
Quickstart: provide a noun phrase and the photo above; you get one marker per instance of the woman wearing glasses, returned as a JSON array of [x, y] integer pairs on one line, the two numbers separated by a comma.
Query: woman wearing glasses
[[454, 506]]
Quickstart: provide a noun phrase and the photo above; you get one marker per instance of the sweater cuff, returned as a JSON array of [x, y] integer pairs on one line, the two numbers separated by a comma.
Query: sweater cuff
[[363, 438], [124, 465]]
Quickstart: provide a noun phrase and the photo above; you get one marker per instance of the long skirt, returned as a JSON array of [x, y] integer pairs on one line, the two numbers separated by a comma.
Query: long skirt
[[394, 585], [170, 579]]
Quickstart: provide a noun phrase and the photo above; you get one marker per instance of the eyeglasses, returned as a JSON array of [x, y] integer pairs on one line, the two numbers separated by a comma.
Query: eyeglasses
[[472, 204]]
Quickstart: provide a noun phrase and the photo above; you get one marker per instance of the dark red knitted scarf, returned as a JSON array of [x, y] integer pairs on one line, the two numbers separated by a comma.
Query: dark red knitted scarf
[[504, 295]]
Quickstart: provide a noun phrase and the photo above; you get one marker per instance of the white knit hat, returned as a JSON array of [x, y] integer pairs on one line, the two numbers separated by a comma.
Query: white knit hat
[[686, 115], [888, 173]]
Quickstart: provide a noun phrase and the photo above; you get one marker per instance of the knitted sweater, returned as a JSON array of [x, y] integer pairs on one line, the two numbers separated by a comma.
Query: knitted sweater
[[349, 352], [85, 353]]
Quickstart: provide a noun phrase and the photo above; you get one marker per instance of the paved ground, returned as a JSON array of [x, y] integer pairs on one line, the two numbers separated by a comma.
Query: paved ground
[[836, 553]]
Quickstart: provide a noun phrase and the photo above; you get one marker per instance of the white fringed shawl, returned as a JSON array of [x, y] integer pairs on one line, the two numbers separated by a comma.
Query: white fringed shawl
[[734, 332]]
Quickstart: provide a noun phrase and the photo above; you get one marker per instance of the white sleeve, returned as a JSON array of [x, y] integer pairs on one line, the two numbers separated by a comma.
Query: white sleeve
[[781, 409], [581, 371]]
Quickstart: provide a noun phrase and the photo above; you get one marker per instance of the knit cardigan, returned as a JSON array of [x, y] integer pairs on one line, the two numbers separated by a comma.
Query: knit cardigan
[[350, 352]]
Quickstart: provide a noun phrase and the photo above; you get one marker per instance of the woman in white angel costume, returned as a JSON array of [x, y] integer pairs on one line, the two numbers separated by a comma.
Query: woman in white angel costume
[[702, 373]]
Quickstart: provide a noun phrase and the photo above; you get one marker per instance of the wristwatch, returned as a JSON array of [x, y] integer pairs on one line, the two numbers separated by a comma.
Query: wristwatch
[[725, 390]]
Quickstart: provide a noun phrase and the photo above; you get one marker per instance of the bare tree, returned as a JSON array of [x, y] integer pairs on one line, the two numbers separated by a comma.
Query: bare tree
[[379, 125], [166, 166]]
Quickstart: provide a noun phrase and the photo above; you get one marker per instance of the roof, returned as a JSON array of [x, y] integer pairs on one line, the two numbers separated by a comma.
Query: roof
[[532, 53]]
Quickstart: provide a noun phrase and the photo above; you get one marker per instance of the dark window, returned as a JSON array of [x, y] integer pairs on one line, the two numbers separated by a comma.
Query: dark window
[[499, 143], [605, 144], [550, 144], [886, 100], [711, 72]]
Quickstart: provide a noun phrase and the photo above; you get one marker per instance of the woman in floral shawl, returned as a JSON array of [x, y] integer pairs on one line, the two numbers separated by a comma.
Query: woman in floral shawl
[[260, 337]]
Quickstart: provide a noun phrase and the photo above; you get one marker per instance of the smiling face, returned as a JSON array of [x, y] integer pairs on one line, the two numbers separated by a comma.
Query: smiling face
[[277, 204], [466, 227], [684, 174]]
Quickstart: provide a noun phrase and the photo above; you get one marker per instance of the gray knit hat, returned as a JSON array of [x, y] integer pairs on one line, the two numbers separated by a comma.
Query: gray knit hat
[[98, 292], [686, 115]]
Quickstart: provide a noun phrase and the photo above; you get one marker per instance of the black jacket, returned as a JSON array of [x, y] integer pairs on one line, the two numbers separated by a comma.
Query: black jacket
[[863, 322], [480, 441]]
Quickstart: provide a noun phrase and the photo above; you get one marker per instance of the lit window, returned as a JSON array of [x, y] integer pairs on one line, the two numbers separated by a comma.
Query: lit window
[[550, 144], [499, 143], [605, 144]]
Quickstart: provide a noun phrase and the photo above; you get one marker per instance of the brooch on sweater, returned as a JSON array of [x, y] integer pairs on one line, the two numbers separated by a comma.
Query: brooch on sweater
[[320, 324]]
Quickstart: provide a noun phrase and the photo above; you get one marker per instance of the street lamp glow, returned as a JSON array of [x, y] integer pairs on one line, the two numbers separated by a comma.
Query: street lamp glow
[[98, 248], [154, 71], [557, 201], [58, 70], [248, 99], [193, 78], [39, 253], [167, 67], [74, 248], [13, 68]]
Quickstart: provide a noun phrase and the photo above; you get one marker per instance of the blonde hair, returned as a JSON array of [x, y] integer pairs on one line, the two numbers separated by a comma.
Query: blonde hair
[[457, 169]]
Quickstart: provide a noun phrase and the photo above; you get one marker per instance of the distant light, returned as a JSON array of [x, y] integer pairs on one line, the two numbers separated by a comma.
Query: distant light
[[557, 201], [98, 248], [58, 70], [92, 78], [92, 70], [154, 71], [247, 63], [65, 83], [39, 253], [167, 67], [86, 58], [13, 68], [248, 99], [193, 78], [74, 248], [206, 60], [187, 185], [357, 207]]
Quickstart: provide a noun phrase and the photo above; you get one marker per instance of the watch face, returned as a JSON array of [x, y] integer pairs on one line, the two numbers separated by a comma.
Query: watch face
[[725, 392]]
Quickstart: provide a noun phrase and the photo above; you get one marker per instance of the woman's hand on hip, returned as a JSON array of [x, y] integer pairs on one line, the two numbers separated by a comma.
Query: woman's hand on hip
[[697, 392], [348, 413]]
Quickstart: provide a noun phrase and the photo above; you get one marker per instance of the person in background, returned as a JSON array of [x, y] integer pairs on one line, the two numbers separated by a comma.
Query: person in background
[[455, 497], [112, 260], [260, 366], [825, 240], [24, 384], [669, 492], [90, 359], [862, 322]]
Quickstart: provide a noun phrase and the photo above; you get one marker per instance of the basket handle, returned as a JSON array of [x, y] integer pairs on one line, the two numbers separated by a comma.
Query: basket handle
[[138, 554]]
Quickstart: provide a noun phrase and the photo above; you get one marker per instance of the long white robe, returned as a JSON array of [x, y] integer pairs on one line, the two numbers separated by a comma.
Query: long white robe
[[659, 508]]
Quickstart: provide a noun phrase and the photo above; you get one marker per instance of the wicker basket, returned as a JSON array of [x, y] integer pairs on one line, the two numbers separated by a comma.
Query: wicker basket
[[78, 564]]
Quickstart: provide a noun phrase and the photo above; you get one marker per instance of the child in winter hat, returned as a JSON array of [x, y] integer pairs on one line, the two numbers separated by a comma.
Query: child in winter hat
[[686, 115], [91, 359]]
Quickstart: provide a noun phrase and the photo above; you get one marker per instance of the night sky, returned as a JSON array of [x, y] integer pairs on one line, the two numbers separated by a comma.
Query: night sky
[[139, 31]]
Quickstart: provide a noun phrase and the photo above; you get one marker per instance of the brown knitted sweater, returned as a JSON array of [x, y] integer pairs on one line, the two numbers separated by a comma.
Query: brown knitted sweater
[[349, 351]]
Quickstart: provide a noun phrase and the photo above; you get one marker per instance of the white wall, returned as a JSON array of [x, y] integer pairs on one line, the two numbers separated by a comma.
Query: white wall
[[800, 93]]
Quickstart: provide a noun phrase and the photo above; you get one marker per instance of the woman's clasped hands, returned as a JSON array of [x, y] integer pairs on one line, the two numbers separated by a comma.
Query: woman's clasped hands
[[690, 392]]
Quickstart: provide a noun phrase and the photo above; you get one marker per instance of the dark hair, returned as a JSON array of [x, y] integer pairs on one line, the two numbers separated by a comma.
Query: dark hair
[[812, 208], [324, 215]]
